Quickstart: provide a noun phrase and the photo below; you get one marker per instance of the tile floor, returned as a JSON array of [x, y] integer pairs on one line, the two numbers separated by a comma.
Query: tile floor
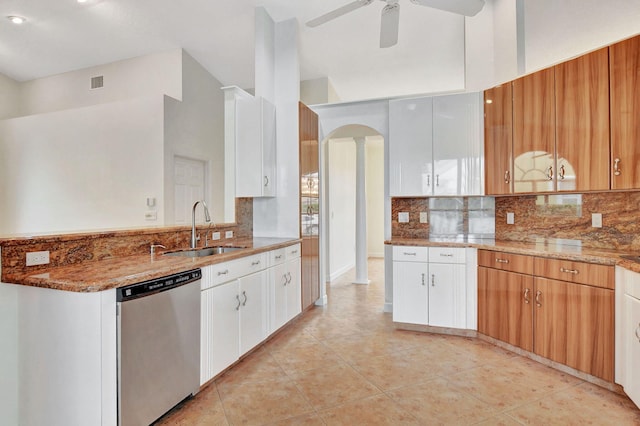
[[345, 364]]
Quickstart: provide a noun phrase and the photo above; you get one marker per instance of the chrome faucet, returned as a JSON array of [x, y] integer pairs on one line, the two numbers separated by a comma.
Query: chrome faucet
[[207, 218]]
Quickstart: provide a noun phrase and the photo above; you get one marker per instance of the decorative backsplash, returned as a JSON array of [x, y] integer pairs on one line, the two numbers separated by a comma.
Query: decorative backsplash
[[445, 216], [567, 219], [68, 249]]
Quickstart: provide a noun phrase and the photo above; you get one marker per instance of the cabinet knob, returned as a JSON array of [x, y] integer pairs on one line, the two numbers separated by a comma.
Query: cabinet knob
[[538, 299], [526, 296], [561, 172], [507, 177], [616, 167], [549, 173]]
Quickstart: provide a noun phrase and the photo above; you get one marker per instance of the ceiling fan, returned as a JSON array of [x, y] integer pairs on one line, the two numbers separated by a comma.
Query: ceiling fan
[[391, 14]]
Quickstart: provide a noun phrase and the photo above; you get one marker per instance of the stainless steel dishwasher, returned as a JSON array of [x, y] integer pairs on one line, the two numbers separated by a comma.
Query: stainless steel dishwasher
[[158, 326]]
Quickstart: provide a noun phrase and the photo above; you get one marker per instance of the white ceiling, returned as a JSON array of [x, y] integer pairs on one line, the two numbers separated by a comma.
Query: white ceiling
[[63, 35]]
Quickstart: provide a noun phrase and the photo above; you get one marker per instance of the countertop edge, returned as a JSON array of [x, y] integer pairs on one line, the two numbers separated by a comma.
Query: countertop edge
[[136, 269]]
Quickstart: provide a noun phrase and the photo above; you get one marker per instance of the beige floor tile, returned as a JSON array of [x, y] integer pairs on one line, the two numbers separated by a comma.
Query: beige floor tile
[[305, 357], [255, 368], [333, 385], [265, 402], [305, 420], [499, 420], [205, 408], [438, 401], [376, 410]]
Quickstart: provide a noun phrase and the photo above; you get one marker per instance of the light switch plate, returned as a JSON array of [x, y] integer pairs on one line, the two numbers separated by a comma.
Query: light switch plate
[[215, 236], [511, 218], [596, 220], [228, 234], [403, 217], [423, 217]]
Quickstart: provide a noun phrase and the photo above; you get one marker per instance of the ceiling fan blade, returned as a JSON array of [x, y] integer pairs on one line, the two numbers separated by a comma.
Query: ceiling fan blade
[[338, 12], [461, 7], [389, 25]]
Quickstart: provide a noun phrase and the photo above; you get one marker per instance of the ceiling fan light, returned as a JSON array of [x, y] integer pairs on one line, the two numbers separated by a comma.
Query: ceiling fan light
[[17, 19]]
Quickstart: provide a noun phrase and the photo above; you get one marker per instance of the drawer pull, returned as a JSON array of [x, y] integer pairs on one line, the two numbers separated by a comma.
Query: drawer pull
[[244, 303], [433, 280], [538, 301], [239, 303], [257, 262], [279, 257], [423, 279], [526, 296], [294, 252], [446, 254], [286, 281], [638, 332], [410, 254], [502, 260], [569, 271], [225, 272]]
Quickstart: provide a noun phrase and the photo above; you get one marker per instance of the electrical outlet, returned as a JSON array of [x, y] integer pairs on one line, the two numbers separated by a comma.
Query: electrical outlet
[[511, 218], [228, 234], [423, 217], [403, 217], [215, 236], [596, 220], [38, 258]]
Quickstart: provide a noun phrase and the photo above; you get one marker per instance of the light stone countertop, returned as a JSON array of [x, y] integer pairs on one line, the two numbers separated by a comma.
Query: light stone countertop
[[121, 271], [542, 249]]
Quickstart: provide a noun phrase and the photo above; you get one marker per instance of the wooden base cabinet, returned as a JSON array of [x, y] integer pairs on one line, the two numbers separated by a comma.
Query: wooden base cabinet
[[571, 323]]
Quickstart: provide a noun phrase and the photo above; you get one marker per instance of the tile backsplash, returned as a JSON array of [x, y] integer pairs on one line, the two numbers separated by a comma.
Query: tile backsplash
[[567, 218], [446, 216]]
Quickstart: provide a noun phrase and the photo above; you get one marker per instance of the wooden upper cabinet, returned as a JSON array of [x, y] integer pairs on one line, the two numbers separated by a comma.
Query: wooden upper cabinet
[[582, 122], [625, 113], [498, 140], [534, 133]]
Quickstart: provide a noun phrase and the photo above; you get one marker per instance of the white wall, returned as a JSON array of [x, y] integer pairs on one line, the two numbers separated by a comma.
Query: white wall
[[9, 354], [84, 168], [341, 204], [505, 41], [318, 91], [374, 147], [159, 73], [9, 97], [559, 30], [479, 61], [194, 128]]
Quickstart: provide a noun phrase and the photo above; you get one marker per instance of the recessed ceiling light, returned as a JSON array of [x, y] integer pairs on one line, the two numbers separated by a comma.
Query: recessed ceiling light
[[17, 19], [82, 1]]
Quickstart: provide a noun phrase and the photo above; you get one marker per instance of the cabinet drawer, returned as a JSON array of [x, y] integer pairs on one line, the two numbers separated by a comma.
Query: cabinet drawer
[[228, 271], [575, 272], [277, 257], [506, 261], [447, 255], [410, 254], [292, 251]]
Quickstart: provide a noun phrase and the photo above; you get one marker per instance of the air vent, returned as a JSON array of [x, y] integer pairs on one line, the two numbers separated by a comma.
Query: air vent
[[97, 82]]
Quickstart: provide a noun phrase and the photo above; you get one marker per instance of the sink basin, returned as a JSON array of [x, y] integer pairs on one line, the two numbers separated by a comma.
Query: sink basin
[[632, 257], [201, 252]]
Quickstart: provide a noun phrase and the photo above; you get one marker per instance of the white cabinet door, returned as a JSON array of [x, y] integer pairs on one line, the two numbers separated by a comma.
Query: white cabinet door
[[253, 310], [631, 334], [447, 301], [410, 292], [225, 333], [278, 281], [457, 144], [255, 148], [410, 150], [294, 288]]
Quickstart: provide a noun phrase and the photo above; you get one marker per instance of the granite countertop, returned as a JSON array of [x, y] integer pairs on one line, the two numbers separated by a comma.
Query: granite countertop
[[543, 248], [121, 271]]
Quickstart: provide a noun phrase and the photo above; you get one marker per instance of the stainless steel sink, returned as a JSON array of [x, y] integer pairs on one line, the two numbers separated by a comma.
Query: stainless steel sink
[[201, 252]]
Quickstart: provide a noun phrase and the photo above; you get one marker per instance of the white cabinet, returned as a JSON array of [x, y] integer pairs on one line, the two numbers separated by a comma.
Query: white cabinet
[[224, 302], [436, 145], [429, 286], [628, 332], [255, 148], [285, 287], [410, 147], [253, 309]]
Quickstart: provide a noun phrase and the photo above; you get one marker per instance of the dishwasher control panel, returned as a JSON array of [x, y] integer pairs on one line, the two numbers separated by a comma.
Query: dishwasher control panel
[[157, 285]]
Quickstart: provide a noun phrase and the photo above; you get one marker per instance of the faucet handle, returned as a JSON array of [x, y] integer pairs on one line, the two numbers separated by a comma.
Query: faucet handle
[[154, 246]]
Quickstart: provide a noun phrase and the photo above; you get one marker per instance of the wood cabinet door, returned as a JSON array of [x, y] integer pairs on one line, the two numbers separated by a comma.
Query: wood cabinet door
[[498, 140], [582, 122], [550, 319], [505, 302], [624, 63], [534, 145], [590, 330]]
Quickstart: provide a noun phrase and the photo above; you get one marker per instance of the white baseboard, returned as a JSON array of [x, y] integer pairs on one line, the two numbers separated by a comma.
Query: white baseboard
[[341, 271]]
